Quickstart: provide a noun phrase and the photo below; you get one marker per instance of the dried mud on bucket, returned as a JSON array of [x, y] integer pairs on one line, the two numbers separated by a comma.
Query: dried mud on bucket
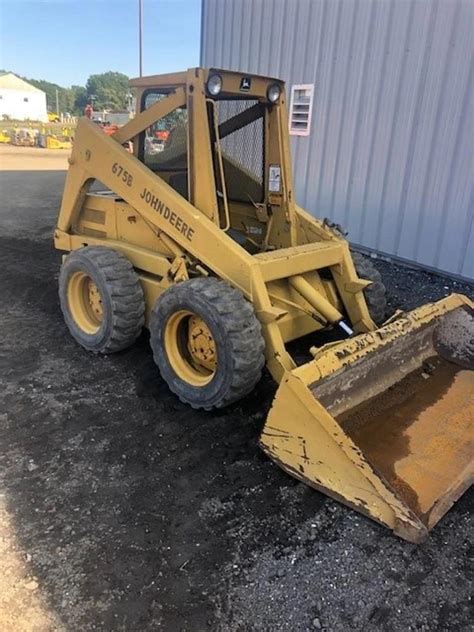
[[418, 434]]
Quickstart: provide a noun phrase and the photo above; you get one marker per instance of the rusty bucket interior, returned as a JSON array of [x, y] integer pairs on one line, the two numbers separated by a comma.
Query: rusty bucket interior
[[406, 409]]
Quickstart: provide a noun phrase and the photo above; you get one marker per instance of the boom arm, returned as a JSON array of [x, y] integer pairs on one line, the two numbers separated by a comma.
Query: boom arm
[[97, 156]]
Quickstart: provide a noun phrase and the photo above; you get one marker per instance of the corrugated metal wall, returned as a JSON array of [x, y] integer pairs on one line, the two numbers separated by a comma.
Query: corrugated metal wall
[[390, 154]]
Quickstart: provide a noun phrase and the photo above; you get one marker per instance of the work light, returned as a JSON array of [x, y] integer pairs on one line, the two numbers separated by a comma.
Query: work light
[[214, 85], [273, 93]]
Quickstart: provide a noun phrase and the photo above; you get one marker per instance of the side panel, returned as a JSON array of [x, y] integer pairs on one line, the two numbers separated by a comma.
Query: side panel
[[104, 216]]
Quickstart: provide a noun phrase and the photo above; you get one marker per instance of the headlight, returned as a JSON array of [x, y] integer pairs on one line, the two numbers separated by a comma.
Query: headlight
[[273, 93], [214, 85]]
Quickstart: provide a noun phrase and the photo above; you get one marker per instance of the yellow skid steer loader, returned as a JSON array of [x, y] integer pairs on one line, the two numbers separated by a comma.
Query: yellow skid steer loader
[[197, 236]]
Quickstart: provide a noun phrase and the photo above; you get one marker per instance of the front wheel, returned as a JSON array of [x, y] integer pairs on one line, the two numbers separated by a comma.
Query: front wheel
[[207, 342]]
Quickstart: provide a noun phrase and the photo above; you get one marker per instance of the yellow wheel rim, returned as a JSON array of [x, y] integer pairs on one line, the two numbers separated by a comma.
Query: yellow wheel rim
[[85, 302], [190, 348]]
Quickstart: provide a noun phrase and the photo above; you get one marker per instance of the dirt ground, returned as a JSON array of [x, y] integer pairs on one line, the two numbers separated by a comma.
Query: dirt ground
[[122, 509], [13, 158]]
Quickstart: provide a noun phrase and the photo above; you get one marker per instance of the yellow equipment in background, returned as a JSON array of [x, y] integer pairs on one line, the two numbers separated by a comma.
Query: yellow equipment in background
[[197, 235], [23, 137], [53, 142]]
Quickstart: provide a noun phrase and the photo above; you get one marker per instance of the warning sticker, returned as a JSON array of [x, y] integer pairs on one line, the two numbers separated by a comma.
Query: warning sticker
[[274, 179]]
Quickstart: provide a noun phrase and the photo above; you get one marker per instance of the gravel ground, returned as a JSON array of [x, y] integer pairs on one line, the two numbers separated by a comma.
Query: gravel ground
[[129, 511]]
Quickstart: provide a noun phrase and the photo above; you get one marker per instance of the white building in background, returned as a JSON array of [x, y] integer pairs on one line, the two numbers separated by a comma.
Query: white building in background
[[21, 101]]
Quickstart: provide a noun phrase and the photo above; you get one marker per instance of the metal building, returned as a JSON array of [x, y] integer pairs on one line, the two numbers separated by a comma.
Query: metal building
[[390, 149]]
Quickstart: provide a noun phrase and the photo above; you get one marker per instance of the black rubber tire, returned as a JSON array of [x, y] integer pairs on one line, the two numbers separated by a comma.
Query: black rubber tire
[[375, 294], [237, 334], [122, 297]]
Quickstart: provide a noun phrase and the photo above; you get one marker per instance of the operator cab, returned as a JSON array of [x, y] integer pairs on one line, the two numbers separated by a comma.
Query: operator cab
[[228, 130]]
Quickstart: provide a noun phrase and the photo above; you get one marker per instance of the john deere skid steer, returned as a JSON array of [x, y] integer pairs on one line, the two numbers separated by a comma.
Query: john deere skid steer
[[197, 236]]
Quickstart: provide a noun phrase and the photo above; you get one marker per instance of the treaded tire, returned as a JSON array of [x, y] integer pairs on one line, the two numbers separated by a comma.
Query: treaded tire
[[122, 298], [374, 293], [237, 335]]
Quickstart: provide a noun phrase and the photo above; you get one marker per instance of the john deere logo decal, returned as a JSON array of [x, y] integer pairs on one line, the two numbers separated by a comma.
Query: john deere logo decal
[[245, 84]]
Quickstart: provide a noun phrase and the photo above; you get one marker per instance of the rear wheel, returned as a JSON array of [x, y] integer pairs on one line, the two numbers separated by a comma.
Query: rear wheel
[[375, 293], [207, 342], [101, 299]]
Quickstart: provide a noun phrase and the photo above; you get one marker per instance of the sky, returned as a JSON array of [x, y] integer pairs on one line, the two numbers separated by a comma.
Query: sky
[[65, 41]]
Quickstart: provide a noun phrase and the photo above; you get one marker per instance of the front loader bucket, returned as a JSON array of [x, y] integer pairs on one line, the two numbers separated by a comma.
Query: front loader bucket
[[384, 421]]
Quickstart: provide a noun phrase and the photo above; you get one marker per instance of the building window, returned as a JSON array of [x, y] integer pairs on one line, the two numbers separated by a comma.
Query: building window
[[25, 99], [301, 107]]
